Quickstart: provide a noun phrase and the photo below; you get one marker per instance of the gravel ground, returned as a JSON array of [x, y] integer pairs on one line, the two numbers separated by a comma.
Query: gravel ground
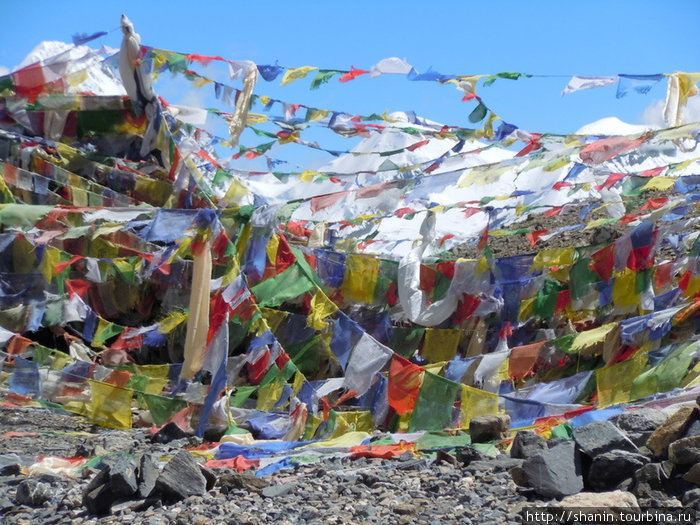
[[410, 489]]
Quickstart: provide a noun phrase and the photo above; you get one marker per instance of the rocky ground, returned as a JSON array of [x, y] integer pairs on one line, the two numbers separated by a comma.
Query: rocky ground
[[643, 456]]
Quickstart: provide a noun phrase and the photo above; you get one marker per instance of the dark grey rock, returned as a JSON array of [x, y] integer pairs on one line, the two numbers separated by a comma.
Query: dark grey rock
[[519, 476], [639, 438], [122, 475], [494, 465], [99, 499], [101, 478], [555, 472], [181, 477], [148, 475], [33, 493], [609, 469], [414, 464], [553, 442], [280, 489], [691, 499], [526, 444], [229, 481], [651, 481], [209, 476], [685, 451], [693, 475], [169, 432], [601, 436], [639, 420], [483, 429], [214, 434], [5, 504], [466, 455], [693, 429], [11, 469]]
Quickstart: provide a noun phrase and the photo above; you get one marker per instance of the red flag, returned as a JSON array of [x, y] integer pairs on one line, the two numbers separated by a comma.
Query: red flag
[[534, 236], [610, 181], [405, 379], [352, 74], [484, 238], [604, 261], [466, 307]]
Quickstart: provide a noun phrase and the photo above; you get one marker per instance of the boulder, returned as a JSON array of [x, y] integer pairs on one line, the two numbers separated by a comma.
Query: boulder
[[493, 465], [600, 437], [553, 442], [483, 429], [148, 475], [209, 476], [214, 434], [615, 498], [230, 481], [671, 430], [465, 455], [638, 424], [693, 475], [122, 475], [685, 451], [555, 472], [693, 429], [691, 499], [181, 477], [639, 420], [526, 444], [652, 481], [609, 469], [280, 489], [33, 493], [169, 432], [99, 499]]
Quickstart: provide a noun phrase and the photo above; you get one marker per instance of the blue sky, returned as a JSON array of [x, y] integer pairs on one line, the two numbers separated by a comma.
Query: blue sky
[[544, 38]]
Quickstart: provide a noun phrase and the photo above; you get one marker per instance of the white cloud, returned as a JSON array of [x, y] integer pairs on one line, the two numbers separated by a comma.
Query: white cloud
[[691, 113], [3, 71], [653, 113]]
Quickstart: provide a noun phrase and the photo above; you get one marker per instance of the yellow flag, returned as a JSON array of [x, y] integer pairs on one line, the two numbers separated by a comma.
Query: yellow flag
[[483, 175], [167, 325], [308, 175], [201, 81], [273, 317], [296, 73], [235, 193], [614, 383], [317, 114], [440, 344], [52, 256], [659, 183], [591, 337], [347, 422], [153, 371], [77, 78], [526, 308], [272, 247], [360, 279], [476, 403], [298, 382], [110, 406], [553, 257], [321, 307], [624, 291], [270, 394]]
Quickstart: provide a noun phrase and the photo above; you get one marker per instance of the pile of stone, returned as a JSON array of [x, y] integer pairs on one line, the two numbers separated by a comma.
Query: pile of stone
[[125, 482], [642, 452]]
